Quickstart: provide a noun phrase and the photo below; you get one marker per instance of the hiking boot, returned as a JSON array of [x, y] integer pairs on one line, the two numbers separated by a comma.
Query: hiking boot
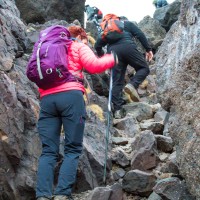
[[119, 114], [130, 89], [126, 98], [63, 197], [42, 198]]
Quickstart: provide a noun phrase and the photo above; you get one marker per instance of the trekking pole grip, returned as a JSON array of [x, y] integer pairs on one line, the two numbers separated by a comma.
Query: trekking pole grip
[[115, 57]]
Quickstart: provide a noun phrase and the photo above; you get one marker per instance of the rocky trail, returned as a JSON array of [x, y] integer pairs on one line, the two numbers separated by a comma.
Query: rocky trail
[[153, 151]]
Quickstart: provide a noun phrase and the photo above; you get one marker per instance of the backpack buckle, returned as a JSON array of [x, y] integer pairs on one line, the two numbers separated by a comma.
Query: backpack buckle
[[59, 72]]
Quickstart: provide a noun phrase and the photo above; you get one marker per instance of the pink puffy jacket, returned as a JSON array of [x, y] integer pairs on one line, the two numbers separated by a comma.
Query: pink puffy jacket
[[81, 57]]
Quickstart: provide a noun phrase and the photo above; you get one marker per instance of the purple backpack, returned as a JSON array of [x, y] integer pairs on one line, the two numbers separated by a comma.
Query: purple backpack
[[47, 66]]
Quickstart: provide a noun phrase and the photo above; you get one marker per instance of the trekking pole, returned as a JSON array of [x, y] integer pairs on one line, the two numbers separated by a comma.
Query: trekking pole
[[108, 125]]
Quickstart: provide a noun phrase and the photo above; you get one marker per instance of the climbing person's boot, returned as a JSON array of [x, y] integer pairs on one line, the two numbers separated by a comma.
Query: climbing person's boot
[[130, 89]]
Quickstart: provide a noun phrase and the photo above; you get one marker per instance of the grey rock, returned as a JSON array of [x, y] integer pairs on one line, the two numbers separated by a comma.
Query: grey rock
[[100, 83], [12, 35], [128, 125], [164, 143], [20, 146], [93, 157], [154, 196], [145, 140], [113, 192], [100, 193], [168, 15], [155, 127], [172, 188], [144, 155], [118, 173], [161, 116], [45, 10], [171, 166], [117, 192], [154, 32], [119, 140], [144, 160], [139, 182], [33, 31], [120, 157], [140, 111]]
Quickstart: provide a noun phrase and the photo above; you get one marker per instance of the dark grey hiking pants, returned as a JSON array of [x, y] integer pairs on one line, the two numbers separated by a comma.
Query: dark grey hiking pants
[[67, 109], [127, 55]]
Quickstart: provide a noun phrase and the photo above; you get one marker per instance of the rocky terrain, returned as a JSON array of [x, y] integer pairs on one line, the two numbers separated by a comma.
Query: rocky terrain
[[153, 151]]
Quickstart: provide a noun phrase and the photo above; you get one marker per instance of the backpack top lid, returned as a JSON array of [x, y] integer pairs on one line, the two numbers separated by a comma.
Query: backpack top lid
[[107, 18], [52, 31], [110, 16], [112, 28]]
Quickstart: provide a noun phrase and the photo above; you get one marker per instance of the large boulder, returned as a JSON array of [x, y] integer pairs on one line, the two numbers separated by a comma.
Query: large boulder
[[167, 15], [172, 188], [43, 10], [139, 182], [153, 30], [178, 79], [144, 155]]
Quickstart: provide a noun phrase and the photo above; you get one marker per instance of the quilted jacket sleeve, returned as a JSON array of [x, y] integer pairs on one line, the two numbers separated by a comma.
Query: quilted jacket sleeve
[[92, 63]]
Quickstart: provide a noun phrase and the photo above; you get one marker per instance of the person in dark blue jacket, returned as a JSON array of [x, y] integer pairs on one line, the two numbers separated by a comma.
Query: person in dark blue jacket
[[95, 15], [160, 3]]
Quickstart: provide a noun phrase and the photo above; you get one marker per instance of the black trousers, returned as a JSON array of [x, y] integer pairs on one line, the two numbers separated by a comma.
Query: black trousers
[[127, 55]]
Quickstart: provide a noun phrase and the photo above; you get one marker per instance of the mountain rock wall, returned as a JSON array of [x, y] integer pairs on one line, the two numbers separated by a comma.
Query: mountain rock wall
[[178, 78], [19, 143], [43, 10]]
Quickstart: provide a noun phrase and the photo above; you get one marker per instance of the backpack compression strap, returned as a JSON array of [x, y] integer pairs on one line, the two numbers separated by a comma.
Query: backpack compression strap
[[38, 61]]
